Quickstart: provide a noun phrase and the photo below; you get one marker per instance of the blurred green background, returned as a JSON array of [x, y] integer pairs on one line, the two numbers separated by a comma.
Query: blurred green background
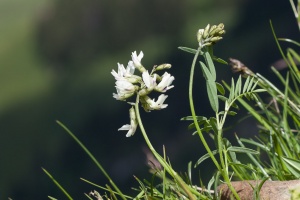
[[55, 63]]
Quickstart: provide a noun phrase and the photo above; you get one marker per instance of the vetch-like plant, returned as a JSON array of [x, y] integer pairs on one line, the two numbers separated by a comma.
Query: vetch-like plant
[[279, 124], [207, 38]]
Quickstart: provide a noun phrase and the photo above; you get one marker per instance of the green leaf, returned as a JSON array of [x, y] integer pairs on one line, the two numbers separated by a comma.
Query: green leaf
[[254, 86], [232, 91], [213, 123], [249, 86], [232, 113], [220, 60], [242, 150], [190, 118], [259, 90], [187, 49], [238, 86], [234, 105], [220, 88], [289, 40], [212, 95], [210, 64], [207, 128], [206, 73], [246, 84], [243, 166], [204, 157], [222, 98], [293, 166], [210, 183]]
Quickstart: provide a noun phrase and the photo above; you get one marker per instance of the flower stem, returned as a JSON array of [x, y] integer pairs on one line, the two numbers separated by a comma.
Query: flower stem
[[194, 113], [222, 169], [188, 190]]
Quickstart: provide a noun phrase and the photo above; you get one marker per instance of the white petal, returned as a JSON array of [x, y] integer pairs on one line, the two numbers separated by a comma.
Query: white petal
[[130, 68], [137, 58], [165, 83], [124, 127]]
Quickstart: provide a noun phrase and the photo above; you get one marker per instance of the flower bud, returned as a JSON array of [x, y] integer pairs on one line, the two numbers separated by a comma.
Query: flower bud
[[200, 34], [221, 25], [206, 30], [212, 28], [133, 79], [163, 66], [215, 31], [215, 39], [221, 32], [206, 44]]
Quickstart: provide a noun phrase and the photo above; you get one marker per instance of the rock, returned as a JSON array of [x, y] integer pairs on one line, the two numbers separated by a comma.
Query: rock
[[271, 190]]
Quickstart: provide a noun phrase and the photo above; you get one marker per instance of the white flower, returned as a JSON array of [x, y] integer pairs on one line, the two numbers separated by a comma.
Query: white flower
[[122, 72], [125, 89], [149, 81], [133, 124], [158, 105], [130, 67], [165, 83], [137, 58]]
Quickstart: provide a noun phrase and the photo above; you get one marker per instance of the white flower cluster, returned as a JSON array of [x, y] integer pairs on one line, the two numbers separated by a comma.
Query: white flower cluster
[[128, 84]]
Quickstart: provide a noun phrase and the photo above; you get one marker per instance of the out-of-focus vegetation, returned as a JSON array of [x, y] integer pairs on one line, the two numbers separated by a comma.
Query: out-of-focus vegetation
[[55, 63]]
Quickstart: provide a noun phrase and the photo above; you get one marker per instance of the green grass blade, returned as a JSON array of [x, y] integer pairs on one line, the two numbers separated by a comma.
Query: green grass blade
[[93, 159], [242, 150], [293, 166], [52, 198], [57, 184], [204, 157]]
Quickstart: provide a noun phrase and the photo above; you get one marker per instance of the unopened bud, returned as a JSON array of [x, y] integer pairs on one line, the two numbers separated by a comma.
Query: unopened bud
[[163, 66], [221, 25], [206, 44], [133, 79], [215, 39], [212, 28], [221, 32], [200, 34], [215, 31], [206, 30]]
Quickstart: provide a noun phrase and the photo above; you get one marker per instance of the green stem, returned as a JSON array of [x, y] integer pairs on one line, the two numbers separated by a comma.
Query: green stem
[[222, 168], [194, 113], [160, 159], [57, 184]]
